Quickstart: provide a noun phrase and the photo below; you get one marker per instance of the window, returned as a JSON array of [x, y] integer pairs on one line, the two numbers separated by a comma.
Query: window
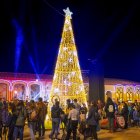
[[119, 93], [129, 93]]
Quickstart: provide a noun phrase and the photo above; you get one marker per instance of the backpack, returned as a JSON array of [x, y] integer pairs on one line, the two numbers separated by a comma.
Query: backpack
[[33, 115], [110, 108]]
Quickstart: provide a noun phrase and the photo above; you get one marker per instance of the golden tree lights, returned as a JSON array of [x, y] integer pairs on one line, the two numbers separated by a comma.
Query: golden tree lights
[[67, 81]]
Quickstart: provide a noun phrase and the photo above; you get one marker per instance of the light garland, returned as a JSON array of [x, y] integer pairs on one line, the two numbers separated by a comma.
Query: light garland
[[67, 81]]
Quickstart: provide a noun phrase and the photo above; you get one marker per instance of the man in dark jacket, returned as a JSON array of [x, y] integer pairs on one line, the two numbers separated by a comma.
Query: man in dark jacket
[[110, 113], [55, 114]]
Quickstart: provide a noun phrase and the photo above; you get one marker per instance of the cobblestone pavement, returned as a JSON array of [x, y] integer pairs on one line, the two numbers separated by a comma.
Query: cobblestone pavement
[[129, 134]]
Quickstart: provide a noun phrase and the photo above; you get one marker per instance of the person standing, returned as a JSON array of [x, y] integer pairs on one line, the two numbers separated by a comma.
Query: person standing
[[110, 113], [72, 122], [124, 113], [77, 106], [32, 118], [92, 122], [21, 115], [42, 112], [11, 120], [55, 114]]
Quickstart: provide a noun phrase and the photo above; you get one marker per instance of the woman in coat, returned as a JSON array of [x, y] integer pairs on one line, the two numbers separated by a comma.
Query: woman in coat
[[92, 120]]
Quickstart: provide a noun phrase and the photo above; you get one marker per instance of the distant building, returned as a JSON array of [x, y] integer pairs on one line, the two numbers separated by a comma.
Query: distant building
[[122, 90], [30, 86]]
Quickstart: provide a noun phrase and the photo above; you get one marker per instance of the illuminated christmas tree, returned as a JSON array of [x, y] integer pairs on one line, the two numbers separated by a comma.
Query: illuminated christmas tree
[[67, 81]]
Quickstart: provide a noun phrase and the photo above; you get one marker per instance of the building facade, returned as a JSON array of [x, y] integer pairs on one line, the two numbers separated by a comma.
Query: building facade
[[28, 86], [122, 90]]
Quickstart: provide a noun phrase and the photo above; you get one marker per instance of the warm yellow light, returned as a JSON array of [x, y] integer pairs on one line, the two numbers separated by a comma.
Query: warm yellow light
[[67, 81], [47, 117]]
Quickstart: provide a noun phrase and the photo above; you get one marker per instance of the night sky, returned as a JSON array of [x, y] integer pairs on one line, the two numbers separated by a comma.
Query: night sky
[[31, 30]]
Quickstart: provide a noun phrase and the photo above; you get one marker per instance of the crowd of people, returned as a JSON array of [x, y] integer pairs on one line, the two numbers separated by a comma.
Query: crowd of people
[[14, 114], [75, 118]]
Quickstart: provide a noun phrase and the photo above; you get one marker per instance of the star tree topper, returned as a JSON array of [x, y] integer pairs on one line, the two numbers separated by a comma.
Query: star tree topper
[[68, 12]]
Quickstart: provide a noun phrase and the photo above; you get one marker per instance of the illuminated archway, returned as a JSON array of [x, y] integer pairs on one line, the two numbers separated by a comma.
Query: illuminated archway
[[129, 93], [119, 92], [35, 89], [5, 89], [137, 92], [19, 90]]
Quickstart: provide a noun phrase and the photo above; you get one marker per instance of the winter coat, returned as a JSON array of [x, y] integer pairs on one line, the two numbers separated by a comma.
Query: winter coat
[[91, 116], [56, 111], [108, 113]]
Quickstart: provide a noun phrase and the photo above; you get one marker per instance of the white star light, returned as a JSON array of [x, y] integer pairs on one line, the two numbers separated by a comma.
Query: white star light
[[70, 60], [67, 12], [65, 81], [65, 48], [56, 90]]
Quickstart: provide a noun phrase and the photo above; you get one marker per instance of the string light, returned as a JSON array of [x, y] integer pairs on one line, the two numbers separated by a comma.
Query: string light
[[68, 82]]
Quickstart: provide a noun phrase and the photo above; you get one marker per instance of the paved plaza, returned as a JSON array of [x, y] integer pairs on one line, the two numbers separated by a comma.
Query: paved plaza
[[129, 134]]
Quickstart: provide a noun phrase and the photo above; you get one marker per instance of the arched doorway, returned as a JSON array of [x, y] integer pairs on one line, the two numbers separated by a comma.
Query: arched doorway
[[3, 91], [119, 93], [129, 93], [34, 92], [137, 93], [19, 91]]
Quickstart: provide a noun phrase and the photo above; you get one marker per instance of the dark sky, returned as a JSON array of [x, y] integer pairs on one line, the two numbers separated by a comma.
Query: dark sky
[[31, 30]]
